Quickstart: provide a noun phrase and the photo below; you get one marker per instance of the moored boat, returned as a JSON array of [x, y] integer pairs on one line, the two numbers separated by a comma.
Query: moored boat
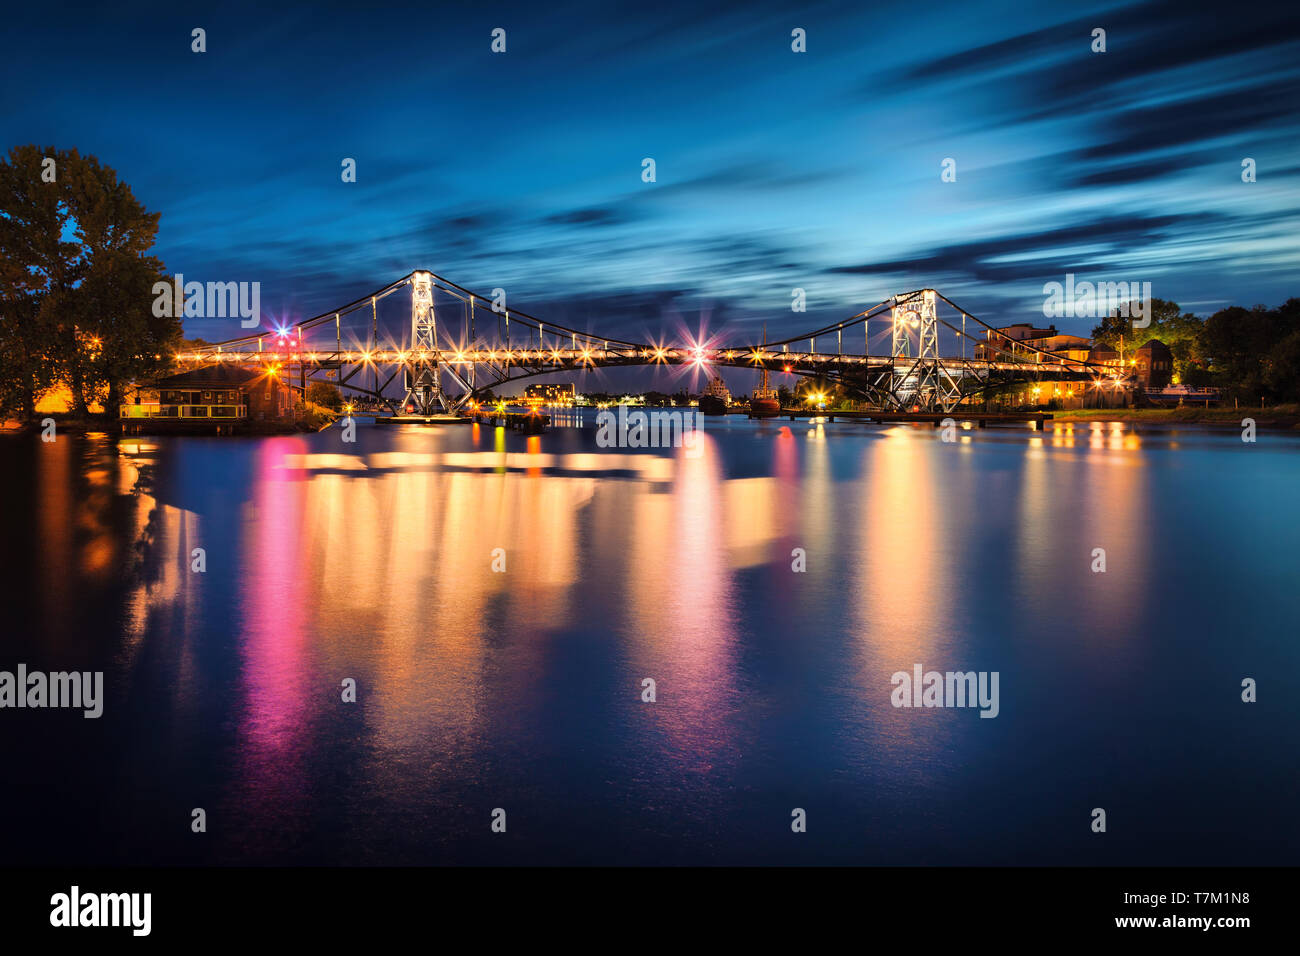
[[716, 397]]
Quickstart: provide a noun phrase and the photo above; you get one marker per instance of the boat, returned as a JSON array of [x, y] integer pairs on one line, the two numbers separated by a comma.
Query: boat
[[1182, 394], [716, 397], [765, 402]]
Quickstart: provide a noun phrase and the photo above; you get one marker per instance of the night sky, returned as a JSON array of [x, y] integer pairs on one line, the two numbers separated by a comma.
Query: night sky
[[775, 170]]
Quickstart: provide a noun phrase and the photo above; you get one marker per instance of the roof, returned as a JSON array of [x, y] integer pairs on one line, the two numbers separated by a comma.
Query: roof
[[1153, 343], [218, 376], [1033, 332]]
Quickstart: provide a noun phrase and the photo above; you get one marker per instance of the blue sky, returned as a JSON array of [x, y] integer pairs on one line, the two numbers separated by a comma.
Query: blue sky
[[775, 170]]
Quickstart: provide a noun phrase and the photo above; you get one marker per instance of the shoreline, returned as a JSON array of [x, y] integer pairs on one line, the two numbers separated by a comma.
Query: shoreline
[[73, 425], [1276, 416]]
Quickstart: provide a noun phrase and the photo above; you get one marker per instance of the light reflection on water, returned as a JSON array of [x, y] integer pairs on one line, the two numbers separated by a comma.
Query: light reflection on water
[[522, 688]]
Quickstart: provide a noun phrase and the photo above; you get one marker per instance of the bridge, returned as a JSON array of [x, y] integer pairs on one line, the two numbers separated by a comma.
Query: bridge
[[486, 346]]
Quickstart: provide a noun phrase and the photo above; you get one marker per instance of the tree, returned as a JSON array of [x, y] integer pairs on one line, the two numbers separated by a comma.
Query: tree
[[120, 338], [325, 394], [1282, 369], [833, 395], [113, 306], [1111, 329], [1181, 331], [1235, 341], [76, 285], [38, 267]]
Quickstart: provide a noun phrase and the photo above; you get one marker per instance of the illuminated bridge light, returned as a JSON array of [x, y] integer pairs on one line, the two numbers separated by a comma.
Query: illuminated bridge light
[[270, 350]]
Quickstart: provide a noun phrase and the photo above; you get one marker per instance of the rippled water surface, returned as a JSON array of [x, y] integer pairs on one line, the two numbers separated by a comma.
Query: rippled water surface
[[522, 690]]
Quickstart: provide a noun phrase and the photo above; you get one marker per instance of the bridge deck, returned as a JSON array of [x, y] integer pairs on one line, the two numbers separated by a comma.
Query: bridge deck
[[561, 359]]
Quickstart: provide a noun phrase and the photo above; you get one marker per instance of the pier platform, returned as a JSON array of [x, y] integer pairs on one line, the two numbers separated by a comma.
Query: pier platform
[[530, 423], [421, 420], [980, 419]]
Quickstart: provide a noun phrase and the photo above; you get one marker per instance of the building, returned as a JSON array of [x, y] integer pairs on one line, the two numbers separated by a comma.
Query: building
[[218, 392], [1051, 395], [1004, 343], [1154, 363], [1106, 356], [1074, 347], [551, 393]]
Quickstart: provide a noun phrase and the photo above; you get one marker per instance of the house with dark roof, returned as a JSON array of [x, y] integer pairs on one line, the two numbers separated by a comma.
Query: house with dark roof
[[221, 393], [1155, 364], [1104, 355]]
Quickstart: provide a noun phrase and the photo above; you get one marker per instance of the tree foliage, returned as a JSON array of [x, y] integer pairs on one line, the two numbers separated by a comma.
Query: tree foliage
[[76, 282], [1252, 354], [1255, 353], [325, 394]]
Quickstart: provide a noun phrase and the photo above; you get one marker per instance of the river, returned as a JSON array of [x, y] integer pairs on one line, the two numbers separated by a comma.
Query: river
[[514, 679]]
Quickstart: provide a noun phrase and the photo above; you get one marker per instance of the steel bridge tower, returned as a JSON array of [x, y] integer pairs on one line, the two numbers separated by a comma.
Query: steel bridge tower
[[423, 388], [924, 381]]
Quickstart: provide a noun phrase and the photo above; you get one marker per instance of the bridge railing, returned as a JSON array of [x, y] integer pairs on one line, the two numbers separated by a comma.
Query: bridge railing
[[182, 411]]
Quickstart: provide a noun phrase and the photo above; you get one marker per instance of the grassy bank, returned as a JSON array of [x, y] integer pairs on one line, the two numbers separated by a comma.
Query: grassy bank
[[1284, 416]]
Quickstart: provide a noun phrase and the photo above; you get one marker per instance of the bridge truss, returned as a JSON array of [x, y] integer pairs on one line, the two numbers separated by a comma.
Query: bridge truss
[[913, 375]]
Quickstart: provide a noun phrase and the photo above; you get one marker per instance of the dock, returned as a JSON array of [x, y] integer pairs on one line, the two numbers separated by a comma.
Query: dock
[[420, 420], [530, 423]]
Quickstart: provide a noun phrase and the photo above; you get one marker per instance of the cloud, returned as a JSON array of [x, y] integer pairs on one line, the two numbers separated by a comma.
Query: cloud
[[1112, 242], [590, 216]]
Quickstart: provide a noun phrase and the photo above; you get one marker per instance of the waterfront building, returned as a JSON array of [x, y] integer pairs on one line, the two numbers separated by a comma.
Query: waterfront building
[[550, 393], [1074, 347], [1154, 363], [1104, 355], [1001, 344], [220, 392]]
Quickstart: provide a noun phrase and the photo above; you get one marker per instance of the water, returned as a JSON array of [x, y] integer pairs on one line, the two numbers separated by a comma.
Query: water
[[522, 690]]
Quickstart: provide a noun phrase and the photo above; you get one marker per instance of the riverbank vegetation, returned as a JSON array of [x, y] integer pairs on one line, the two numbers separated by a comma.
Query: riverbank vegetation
[[1285, 416], [1251, 355], [76, 284]]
